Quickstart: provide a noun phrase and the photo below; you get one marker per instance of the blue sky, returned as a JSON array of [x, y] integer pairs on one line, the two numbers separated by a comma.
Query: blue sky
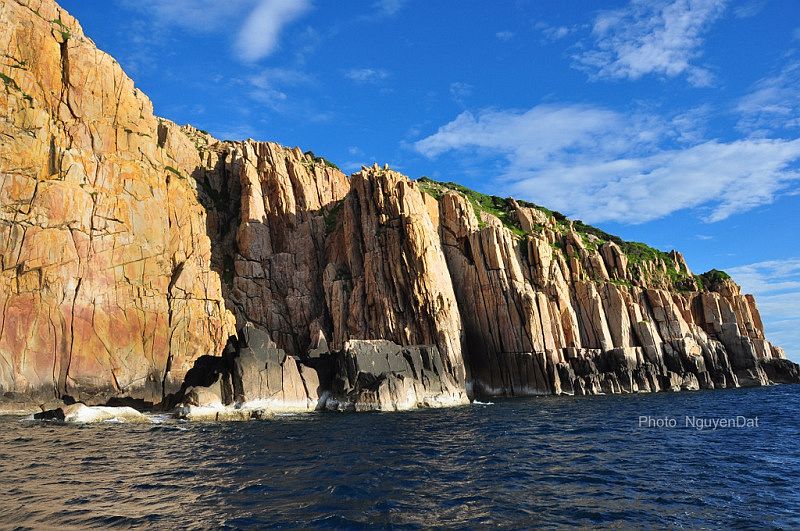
[[674, 122]]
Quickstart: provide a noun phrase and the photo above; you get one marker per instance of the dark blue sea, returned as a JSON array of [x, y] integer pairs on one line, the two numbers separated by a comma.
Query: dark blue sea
[[552, 462]]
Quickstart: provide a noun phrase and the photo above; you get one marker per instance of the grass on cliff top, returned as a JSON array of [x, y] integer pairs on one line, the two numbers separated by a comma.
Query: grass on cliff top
[[497, 206], [638, 253], [502, 208], [320, 160]]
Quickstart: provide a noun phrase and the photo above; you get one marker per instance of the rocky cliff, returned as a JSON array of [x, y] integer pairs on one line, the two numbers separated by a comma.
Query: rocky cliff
[[132, 250]]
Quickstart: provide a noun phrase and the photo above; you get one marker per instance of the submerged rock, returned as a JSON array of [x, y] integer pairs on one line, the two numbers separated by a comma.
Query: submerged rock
[[83, 414], [219, 413]]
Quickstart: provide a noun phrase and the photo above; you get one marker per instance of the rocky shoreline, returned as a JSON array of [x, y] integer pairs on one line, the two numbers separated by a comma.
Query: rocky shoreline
[[254, 380]]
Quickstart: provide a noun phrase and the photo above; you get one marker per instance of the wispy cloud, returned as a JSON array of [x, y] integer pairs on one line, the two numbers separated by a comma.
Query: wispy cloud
[[776, 286], [601, 165], [197, 16], [749, 8], [268, 86], [651, 37], [258, 37], [690, 126], [460, 91], [388, 8], [554, 33], [504, 36], [366, 75], [774, 103], [234, 132]]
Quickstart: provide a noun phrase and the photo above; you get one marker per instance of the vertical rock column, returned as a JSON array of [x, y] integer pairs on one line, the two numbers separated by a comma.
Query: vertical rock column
[[386, 276]]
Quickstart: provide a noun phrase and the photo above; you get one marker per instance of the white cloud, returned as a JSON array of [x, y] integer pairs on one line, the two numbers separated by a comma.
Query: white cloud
[[145, 35], [258, 37], [599, 165], [504, 36], [651, 37], [776, 286], [690, 126], [234, 132], [774, 103], [366, 75], [536, 137]]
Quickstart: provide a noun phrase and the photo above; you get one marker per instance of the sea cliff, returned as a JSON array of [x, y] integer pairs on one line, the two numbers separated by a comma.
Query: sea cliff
[[152, 264]]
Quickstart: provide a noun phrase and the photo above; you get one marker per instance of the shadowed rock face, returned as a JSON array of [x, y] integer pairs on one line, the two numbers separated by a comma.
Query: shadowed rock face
[[380, 375], [252, 372], [131, 249]]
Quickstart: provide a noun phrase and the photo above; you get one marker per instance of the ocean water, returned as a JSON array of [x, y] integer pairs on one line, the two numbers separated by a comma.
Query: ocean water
[[513, 464]]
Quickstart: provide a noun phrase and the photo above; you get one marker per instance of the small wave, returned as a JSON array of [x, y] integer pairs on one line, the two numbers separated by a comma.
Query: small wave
[[159, 418], [167, 427], [479, 403]]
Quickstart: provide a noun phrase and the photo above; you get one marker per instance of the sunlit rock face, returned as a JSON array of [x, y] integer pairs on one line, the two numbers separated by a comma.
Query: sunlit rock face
[[559, 311], [106, 286], [132, 249]]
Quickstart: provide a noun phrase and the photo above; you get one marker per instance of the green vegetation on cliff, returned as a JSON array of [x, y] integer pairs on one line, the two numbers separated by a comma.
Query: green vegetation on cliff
[[62, 28], [320, 160], [643, 259], [499, 207], [710, 279]]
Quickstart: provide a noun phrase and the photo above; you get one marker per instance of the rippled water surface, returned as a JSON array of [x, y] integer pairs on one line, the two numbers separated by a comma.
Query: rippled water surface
[[521, 463]]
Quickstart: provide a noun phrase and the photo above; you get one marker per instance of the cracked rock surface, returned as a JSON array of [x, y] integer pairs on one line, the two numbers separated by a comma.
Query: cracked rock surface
[[106, 287]]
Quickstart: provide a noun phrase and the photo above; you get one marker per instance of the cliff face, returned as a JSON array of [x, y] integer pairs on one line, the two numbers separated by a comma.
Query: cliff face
[[557, 310], [105, 287], [132, 250]]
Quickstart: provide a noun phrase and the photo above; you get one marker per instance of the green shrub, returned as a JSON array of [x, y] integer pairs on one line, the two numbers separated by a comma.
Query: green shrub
[[710, 279]]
